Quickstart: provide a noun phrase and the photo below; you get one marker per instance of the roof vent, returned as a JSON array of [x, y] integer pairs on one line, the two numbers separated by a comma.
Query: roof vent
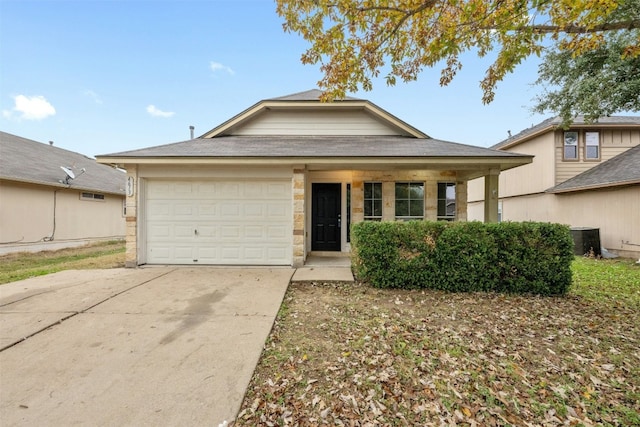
[[191, 128], [51, 143]]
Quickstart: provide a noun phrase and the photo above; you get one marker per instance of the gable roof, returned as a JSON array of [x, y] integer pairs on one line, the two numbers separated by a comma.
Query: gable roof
[[623, 169], [552, 123], [25, 160], [408, 149], [311, 100]]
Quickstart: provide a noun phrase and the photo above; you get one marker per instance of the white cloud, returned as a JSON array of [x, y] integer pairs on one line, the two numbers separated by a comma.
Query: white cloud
[[91, 94], [30, 108], [216, 66], [151, 109]]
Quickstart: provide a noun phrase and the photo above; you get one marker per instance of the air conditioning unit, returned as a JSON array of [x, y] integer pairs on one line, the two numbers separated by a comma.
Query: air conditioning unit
[[585, 240]]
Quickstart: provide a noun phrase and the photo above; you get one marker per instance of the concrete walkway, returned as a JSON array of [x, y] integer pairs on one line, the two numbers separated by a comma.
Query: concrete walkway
[[150, 346]]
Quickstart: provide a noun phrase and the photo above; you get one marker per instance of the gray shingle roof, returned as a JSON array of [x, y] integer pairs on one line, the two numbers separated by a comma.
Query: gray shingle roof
[[308, 95], [623, 169], [579, 121], [30, 161], [314, 146]]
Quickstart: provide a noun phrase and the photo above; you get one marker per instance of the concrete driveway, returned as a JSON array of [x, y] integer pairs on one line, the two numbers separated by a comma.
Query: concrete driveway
[[151, 346]]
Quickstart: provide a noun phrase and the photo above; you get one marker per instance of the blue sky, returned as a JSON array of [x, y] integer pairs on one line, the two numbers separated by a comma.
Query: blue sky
[[102, 76]]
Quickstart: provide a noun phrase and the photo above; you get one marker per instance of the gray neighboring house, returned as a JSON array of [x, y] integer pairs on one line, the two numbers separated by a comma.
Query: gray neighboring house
[[587, 176], [41, 209], [286, 177]]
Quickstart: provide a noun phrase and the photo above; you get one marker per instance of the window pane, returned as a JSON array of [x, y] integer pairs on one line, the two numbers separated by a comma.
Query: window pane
[[367, 208], [377, 207], [442, 207], [367, 190], [377, 190], [416, 209], [570, 152], [592, 152], [417, 191], [402, 208], [402, 191]]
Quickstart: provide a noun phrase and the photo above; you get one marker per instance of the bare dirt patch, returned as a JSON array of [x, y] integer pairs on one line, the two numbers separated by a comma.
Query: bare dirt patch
[[345, 354]]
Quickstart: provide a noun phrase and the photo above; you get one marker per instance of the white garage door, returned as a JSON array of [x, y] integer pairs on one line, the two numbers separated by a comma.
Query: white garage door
[[219, 222]]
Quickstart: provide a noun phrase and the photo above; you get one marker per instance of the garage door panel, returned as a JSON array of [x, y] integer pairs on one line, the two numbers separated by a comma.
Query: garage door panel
[[207, 211], [276, 211], [159, 210], [243, 222], [184, 254]]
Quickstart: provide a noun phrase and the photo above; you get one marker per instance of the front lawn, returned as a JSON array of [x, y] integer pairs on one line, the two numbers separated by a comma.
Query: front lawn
[[23, 265], [352, 355]]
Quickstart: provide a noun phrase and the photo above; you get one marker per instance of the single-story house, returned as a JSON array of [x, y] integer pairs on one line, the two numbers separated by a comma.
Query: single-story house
[[587, 176], [287, 177], [52, 198]]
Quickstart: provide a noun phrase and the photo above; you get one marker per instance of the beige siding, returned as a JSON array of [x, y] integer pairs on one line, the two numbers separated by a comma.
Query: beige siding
[[27, 214], [315, 122], [612, 143], [613, 211], [532, 178]]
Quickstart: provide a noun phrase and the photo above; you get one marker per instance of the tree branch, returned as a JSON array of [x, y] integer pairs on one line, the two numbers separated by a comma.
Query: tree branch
[[631, 24]]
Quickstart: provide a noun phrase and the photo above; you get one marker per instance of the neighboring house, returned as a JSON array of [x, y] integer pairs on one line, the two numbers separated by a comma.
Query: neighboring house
[[585, 176], [41, 209], [287, 177]]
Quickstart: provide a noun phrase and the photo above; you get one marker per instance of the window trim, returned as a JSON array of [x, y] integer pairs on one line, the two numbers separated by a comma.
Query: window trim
[[565, 145], [372, 201], [599, 146], [446, 217], [409, 217]]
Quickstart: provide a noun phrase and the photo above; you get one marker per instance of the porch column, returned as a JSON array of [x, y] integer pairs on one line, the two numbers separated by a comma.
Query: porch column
[[131, 236], [461, 201], [491, 196], [298, 217]]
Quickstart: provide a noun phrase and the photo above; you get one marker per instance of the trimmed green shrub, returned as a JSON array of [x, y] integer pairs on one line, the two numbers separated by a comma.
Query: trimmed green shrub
[[509, 257]]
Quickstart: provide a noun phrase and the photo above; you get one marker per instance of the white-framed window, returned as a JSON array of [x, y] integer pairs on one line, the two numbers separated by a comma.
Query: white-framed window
[[409, 201], [446, 201], [570, 146], [91, 196], [373, 201], [592, 145]]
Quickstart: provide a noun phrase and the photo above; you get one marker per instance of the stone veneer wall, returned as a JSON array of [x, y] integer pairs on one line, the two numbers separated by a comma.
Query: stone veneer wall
[[131, 253], [388, 180], [298, 183]]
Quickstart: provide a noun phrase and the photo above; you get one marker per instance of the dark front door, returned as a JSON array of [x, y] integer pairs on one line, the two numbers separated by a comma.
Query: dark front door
[[325, 218]]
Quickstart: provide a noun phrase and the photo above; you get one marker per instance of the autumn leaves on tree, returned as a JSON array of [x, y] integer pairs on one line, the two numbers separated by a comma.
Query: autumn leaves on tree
[[355, 41]]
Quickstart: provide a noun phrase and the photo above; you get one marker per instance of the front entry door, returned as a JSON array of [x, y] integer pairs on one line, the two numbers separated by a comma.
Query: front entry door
[[325, 218]]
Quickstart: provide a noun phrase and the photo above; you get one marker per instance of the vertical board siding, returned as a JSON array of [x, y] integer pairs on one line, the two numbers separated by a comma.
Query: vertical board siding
[[612, 143]]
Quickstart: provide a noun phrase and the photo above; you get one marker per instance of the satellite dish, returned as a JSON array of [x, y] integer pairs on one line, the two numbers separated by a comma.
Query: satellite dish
[[69, 172]]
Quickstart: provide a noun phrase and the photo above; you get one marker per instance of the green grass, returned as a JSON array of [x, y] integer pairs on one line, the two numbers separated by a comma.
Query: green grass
[[23, 265], [611, 282]]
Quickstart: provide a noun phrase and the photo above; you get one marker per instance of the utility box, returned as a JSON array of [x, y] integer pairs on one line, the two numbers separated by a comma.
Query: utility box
[[586, 240]]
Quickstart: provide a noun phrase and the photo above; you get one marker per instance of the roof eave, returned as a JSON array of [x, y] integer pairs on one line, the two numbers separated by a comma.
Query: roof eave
[[555, 126], [61, 186], [553, 190], [465, 162]]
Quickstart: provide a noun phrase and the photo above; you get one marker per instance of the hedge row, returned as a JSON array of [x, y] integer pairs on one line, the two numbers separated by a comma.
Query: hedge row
[[510, 257]]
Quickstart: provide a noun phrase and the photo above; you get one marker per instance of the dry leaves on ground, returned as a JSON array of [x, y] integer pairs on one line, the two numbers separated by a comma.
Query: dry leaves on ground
[[348, 354]]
